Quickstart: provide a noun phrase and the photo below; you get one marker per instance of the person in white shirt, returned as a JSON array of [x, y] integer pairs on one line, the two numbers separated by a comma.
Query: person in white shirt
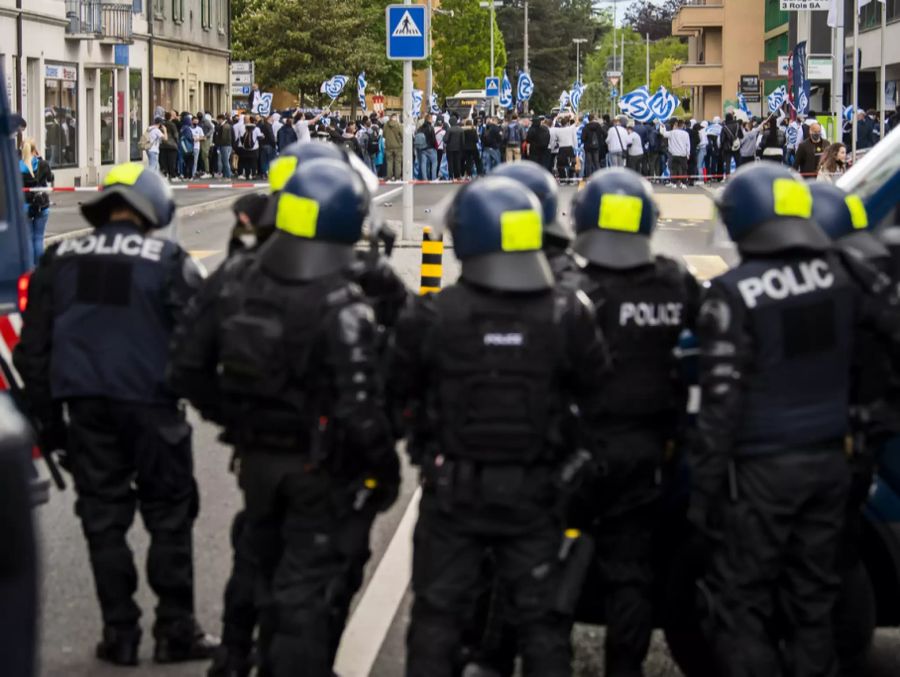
[[679, 150], [156, 133], [635, 158], [617, 144], [565, 138], [198, 135], [302, 125]]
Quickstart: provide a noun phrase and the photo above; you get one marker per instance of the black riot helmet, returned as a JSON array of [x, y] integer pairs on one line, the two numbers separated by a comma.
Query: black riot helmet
[[844, 219], [768, 208], [614, 216], [497, 228], [319, 218], [140, 189], [540, 182]]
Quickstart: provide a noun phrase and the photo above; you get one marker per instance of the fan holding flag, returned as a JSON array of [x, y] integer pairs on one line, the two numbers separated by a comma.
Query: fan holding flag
[[334, 86]]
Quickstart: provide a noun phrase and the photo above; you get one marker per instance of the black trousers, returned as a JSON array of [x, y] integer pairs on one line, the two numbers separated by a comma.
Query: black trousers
[[624, 533], [451, 546], [776, 556], [168, 161], [565, 165], [248, 161], [124, 457], [309, 546], [240, 614], [455, 163]]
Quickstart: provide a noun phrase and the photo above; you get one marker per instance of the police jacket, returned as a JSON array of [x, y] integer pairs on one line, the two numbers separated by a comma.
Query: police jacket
[[101, 309], [776, 343], [642, 312], [489, 377], [285, 365]]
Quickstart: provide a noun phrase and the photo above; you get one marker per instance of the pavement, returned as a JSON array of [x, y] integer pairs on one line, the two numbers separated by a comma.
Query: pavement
[[374, 642]]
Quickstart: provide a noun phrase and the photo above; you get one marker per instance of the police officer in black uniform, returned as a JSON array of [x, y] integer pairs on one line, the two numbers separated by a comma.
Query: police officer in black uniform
[[643, 303], [770, 477], [557, 234], [387, 294], [279, 347], [100, 312], [489, 368], [18, 559]]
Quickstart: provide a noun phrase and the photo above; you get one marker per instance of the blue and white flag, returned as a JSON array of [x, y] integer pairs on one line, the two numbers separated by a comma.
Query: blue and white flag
[[800, 81], [334, 86], [663, 104], [417, 96], [848, 114], [506, 97], [525, 88], [563, 99], [742, 104], [776, 98], [264, 107], [636, 104], [577, 93], [361, 89], [435, 108]]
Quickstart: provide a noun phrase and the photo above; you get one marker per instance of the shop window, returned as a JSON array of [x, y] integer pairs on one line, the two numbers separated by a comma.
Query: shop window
[[61, 115], [212, 98], [164, 93], [107, 118], [136, 111]]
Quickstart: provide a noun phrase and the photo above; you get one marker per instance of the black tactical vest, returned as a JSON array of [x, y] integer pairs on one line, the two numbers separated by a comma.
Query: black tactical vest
[[271, 345], [801, 320], [111, 325], [497, 359], [642, 312]]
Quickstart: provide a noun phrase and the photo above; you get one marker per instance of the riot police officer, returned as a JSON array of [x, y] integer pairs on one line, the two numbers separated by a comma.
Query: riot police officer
[[279, 347], [489, 368], [100, 312], [557, 234], [770, 478], [643, 303], [386, 292]]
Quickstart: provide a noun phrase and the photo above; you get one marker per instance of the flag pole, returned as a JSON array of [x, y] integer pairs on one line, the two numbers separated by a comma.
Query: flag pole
[[837, 68], [853, 126]]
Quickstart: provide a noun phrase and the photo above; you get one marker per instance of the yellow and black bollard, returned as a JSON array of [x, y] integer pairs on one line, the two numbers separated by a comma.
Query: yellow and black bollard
[[432, 268]]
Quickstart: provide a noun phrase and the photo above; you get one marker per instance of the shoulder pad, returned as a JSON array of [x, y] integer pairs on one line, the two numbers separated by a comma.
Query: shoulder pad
[[355, 321], [343, 295]]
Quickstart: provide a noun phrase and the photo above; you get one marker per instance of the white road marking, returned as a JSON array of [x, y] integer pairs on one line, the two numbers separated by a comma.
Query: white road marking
[[705, 267], [372, 618]]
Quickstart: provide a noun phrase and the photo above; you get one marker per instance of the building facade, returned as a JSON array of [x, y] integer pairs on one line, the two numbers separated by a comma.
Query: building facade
[[725, 42], [83, 73]]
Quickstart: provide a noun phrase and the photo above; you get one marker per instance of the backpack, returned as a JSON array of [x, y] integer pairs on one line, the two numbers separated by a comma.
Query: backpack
[[217, 135], [420, 142], [735, 141], [187, 146], [247, 139], [144, 143], [514, 134], [372, 145]]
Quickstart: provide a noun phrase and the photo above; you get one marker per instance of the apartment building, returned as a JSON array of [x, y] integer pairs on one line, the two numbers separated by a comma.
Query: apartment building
[[83, 73]]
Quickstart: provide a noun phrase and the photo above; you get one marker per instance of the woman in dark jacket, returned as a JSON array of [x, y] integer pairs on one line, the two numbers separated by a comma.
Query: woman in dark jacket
[[471, 158], [36, 173], [773, 142]]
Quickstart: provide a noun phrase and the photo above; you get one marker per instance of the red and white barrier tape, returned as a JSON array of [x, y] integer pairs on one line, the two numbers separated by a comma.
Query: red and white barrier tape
[[10, 328]]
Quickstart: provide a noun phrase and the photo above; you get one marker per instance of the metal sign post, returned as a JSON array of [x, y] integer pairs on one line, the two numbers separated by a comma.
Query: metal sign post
[[407, 28]]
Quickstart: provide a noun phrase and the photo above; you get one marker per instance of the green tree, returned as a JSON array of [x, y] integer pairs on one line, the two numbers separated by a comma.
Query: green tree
[[298, 45], [551, 53], [462, 47]]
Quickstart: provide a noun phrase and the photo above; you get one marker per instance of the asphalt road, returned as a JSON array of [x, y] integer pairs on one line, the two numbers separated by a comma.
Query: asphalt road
[[71, 622]]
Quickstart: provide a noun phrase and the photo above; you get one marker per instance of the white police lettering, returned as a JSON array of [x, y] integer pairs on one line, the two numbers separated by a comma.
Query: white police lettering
[[650, 314], [129, 245], [504, 340], [779, 283]]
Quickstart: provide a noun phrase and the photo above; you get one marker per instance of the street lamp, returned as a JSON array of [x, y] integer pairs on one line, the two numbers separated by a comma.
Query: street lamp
[[578, 43]]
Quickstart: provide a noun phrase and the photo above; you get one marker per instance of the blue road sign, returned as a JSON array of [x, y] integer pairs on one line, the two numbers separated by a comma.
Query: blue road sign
[[407, 31], [491, 86], [613, 93]]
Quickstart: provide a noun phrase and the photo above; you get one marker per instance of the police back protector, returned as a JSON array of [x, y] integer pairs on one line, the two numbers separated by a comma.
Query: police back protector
[[497, 359], [800, 315], [641, 312], [111, 315]]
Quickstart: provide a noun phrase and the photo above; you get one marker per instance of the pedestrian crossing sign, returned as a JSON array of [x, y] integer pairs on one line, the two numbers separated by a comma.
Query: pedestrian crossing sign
[[407, 28]]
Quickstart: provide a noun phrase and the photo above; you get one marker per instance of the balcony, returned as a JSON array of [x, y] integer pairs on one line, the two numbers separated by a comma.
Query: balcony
[[697, 75], [108, 22], [698, 14]]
